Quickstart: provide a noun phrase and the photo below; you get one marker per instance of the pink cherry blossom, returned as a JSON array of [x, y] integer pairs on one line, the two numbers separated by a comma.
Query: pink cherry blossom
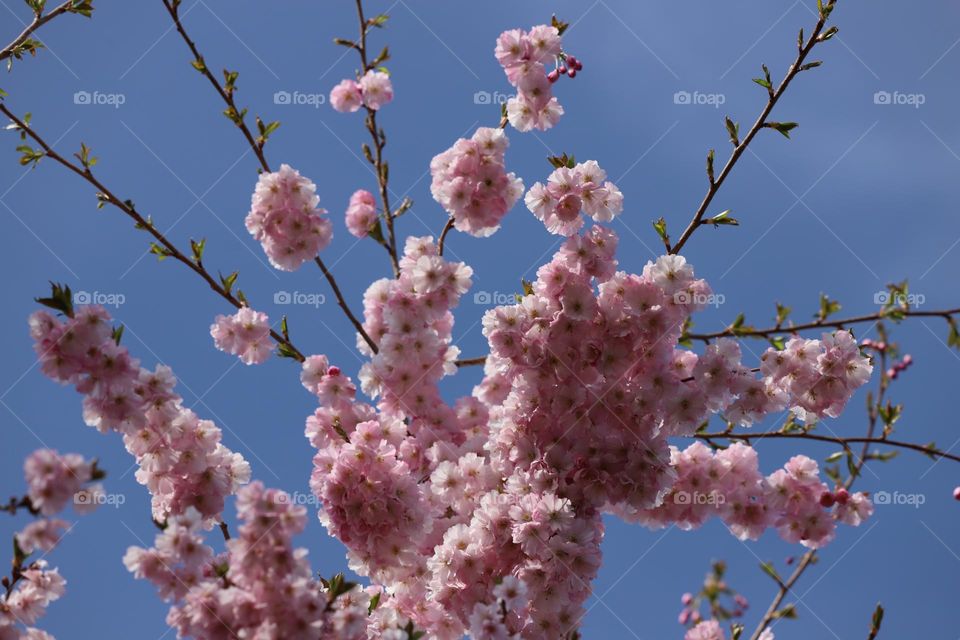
[[361, 214], [285, 219], [346, 96], [571, 190], [471, 183], [245, 334], [376, 88]]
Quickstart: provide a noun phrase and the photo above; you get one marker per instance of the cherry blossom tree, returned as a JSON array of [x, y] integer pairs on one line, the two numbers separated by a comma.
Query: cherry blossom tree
[[479, 515]]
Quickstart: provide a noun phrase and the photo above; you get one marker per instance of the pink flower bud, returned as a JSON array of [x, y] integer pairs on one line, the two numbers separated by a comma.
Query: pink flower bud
[[956, 493], [554, 75], [827, 500], [333, 371], [841, 496]]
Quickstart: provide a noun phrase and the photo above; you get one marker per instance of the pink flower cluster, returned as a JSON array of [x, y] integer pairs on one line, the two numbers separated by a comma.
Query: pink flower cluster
[[38, 587], [361, 213], [261, 587], [569, 191], [373, 91], [182, 461], [820, 374], [245, 334], [471, 183], [285, 219], [524, 56], [53, 480], [727, 484], [584, 384]]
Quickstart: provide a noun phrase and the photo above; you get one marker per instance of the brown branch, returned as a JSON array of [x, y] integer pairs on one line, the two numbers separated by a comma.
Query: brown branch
[[819, 324], [760, 123], [38, 21], [443, 235], [844, 442], [257, 147], [343, 305], [15, 503], [173, 8], [169, 249], [379, 142]]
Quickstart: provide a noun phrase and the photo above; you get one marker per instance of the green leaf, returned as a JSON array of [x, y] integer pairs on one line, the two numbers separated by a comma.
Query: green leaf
[[559, 25], [660, 226], [161, 252], [783, 127], [117, 334], [833, 457], [199, 65], [710, 175], [82, 7], [61, 299], [828, 307], [723, 218], [875, 621], [229, 281], [197, 248], [811, 65], [768, 568], [733, 129], [378, 21], [374, 601]]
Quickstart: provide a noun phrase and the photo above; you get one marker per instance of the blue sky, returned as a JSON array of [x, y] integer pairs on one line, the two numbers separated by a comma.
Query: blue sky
[[862, 195]]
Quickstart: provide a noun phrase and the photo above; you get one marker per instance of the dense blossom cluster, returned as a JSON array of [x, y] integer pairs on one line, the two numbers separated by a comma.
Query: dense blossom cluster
[[727, 484], [361, 213], [285, 219], [570, 190], [53, 480], [524, 56], [38, 587], [373, 91], [584, 384], [471, 183], [245, 334], [181, 459], [261, 587]]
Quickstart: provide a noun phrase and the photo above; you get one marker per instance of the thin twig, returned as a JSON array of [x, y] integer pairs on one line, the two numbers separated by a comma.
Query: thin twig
[[257, 147], [37, 22], [126, 206], [760, 123], [746, 332], [443, 235], [379, 142]]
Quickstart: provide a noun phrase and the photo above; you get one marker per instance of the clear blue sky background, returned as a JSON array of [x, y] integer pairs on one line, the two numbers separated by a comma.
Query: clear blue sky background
[[864, 194]]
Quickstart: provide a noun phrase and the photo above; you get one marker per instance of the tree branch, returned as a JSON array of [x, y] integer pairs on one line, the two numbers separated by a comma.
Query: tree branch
[[741, 145], [126, 206]]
